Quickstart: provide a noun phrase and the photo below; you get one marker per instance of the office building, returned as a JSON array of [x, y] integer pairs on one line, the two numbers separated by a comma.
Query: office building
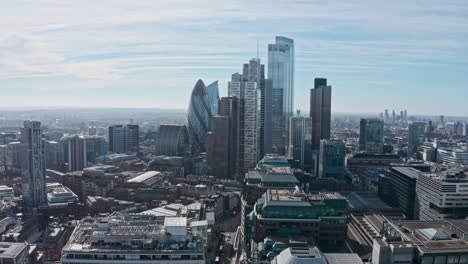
[[366, 160], [54, 155], [442, 194], [280, 215], [254, 71], [312, 255], [213, 96], [421, 242], [248, 136], [223, 138], [332, 159], [132, 138], [15, 156], [121, 238], [172, 140], [371, 138], [199, 118], [3, 157], [300, 141], [124, 139], [76, 153], [34, 165], [397, 187], [416, 134], [6, 193], [452, 155], [320, 111], [14, 253], [281, 64], [96, 146]]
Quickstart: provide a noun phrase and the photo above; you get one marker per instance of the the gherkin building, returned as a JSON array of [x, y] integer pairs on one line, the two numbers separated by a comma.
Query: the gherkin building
[[199, 117]]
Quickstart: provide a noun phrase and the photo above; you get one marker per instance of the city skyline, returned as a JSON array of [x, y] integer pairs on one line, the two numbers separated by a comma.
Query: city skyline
[[397, 56]]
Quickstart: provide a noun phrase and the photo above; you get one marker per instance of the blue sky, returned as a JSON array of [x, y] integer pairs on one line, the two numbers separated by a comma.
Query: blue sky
[[376, 54]]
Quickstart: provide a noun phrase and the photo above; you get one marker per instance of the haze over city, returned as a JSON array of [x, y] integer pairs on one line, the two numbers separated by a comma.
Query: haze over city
[[149, 54]]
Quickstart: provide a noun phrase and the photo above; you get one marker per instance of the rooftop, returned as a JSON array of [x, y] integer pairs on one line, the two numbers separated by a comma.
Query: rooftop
[[430, 236], [11, 250], [132, 233], [144, 177]]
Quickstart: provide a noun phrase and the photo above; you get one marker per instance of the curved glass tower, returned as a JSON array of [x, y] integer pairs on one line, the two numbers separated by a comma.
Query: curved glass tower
[[213, 95], [199, 116]]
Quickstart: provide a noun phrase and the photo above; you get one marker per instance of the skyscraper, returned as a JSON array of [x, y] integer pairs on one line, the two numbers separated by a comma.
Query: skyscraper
[[213, 96], [124, 139], [34, 165], [76, 153], [281, 60], [222, 139], [132, 138], [320, 111], [371, 135], [416, 135], [247, 93], [332, 159], [300, 141], [254, 71], [199, 118], [117, 139]]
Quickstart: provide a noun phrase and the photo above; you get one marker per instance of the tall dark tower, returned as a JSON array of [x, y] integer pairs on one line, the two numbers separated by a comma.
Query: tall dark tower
[[320, 111]]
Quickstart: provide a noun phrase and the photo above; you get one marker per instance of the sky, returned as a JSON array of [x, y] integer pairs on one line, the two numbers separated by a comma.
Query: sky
[[395, 54]]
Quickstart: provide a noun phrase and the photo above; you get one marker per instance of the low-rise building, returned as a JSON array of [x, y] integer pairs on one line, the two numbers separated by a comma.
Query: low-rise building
[[122, 238]]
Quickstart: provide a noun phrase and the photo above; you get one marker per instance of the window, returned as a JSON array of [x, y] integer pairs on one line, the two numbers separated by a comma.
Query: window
[[452, 260], [464, 259], [440, 260], [427, 260]]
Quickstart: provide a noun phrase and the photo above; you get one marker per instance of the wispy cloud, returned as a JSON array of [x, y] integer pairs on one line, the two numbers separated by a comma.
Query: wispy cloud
[[147, 43]]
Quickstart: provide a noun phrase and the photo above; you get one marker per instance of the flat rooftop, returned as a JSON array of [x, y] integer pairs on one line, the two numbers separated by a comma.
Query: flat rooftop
[[130, 233], [11, 250], [431, 236]]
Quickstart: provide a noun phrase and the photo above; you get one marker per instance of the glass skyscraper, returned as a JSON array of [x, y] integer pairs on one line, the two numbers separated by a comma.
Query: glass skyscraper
[[281, 73], [300, 141], [332, 159], [371, 139], [199, 118], [213, 95]]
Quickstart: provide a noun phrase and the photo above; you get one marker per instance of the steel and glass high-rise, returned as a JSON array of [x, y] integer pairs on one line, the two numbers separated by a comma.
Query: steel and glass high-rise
[[34, 165], [199, 118], [223, 139], [320, 111], [248, 94], [371, 138], [416, 135], [281, 63], [213, 96], [332, 159], [124, 139], [300, 141]]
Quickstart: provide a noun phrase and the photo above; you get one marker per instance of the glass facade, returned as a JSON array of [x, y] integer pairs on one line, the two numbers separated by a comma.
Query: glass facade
[[332, 159], [213, 95], [300, 141], [371, 135], [281, 73], [199, 117]]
